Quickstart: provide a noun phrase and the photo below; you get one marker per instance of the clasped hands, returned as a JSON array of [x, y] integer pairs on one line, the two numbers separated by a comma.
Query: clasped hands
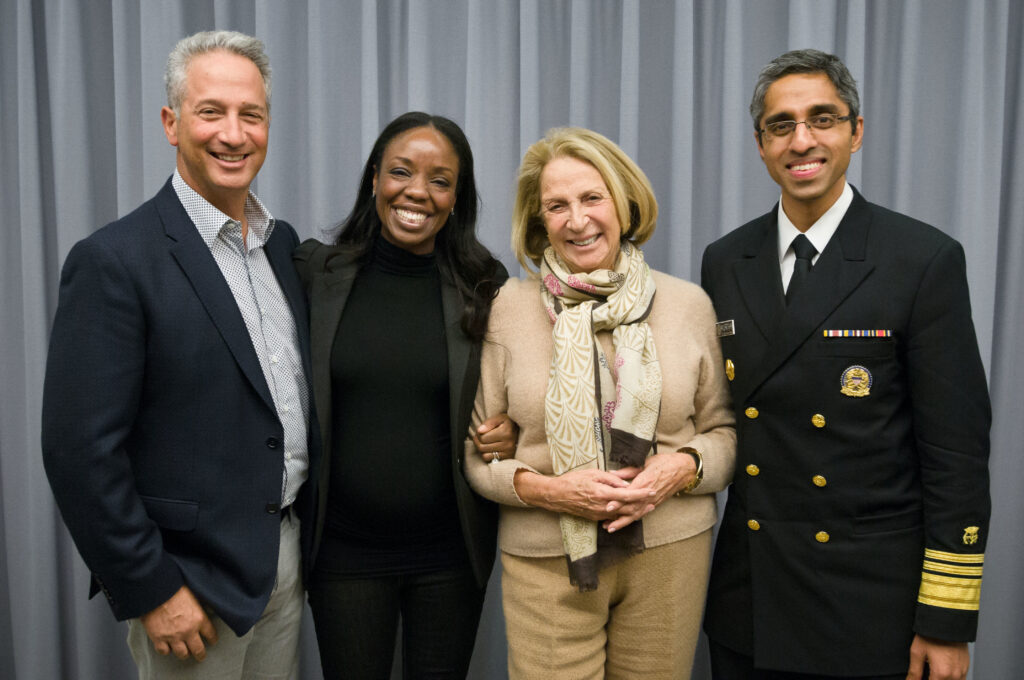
[[616, 498]]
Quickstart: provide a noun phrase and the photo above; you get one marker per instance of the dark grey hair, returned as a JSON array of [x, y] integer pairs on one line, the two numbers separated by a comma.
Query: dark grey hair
[[209, 41], [805, 61]]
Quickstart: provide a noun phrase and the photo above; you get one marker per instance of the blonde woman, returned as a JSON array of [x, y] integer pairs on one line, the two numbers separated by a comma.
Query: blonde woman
[[614, 374]]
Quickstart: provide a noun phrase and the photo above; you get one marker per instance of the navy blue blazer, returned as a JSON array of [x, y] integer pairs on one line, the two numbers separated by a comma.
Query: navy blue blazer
[[160, 438], [859, 512]]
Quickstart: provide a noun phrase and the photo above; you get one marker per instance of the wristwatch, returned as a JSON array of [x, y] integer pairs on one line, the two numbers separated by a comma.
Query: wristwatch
[[698, 476]]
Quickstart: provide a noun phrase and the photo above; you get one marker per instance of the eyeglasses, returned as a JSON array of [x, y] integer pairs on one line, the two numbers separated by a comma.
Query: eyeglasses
[[819, 121]]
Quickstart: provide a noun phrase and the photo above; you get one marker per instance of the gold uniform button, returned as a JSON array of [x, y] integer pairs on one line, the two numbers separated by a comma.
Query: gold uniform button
[[821, 537], [818, 420], [753, 470], [751, 412], [753, 524], [730, 369], [819, 480]]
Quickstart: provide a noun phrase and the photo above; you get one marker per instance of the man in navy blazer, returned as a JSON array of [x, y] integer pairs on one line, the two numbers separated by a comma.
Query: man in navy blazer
[[853, 540], [175, 409]]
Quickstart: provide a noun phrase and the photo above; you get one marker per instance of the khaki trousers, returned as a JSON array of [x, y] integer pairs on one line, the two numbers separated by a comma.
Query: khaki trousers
[[642, 621], [268, 651]]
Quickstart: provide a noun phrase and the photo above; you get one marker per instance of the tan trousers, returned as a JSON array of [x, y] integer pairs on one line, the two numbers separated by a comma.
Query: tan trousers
[[269, 651], [642, 621]]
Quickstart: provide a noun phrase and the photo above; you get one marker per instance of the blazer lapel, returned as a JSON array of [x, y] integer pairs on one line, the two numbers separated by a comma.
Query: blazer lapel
[[459, 352], [195, 259], [279, 253], [328, 292], [837, 273]]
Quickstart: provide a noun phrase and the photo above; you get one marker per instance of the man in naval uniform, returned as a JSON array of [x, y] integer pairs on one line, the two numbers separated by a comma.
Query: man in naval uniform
[[853, 540]]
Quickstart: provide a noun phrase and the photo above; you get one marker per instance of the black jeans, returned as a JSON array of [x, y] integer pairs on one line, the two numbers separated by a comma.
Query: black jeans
[[357, 620]]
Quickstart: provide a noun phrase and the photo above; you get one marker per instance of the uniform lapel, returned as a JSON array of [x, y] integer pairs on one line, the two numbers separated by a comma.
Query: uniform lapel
[[759, 279], [837, 273], [759, 283], [195, 259]]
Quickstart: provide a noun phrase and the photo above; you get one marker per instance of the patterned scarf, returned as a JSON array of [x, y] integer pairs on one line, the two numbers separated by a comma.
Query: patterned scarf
[[598, 412]]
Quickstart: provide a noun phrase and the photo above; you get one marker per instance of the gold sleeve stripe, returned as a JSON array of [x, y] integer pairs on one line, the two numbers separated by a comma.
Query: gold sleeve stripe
[[959, 558], [950, 592], [943, 568]]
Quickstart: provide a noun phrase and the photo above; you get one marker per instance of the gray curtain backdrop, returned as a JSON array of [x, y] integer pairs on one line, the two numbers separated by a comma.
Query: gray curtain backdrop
[[81, 144]]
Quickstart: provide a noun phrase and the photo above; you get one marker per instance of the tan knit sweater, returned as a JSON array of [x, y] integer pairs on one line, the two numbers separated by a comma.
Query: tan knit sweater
[[695, 410]]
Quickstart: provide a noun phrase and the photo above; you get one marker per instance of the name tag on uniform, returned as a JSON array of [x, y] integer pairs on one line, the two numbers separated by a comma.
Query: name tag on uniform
[[724, 328]]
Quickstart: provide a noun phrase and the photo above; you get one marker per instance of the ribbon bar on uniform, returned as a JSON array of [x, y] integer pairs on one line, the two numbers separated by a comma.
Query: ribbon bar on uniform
[[857, 334]]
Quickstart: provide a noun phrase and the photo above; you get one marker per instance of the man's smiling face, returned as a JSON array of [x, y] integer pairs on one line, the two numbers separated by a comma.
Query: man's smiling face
[[222, 129], [809, 165]]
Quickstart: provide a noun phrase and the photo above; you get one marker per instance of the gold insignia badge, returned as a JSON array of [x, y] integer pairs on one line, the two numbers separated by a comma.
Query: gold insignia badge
[[856, 382], [970, 535], [730, 369]]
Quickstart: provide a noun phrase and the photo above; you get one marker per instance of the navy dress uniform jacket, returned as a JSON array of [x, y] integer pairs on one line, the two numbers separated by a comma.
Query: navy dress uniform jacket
[[859, 511], [160, 437]]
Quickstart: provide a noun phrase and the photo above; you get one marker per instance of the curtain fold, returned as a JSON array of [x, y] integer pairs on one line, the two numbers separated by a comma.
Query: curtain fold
[[81, 143]]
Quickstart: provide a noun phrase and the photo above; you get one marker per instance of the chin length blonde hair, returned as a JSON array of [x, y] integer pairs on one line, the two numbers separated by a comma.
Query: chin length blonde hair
[[631, 191]]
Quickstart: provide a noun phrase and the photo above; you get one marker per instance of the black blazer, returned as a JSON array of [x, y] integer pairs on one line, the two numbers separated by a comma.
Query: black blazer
[[328, 273], [160, 437], [838, 499]]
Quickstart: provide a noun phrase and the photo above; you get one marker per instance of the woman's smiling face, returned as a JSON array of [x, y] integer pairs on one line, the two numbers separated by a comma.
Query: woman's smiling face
[[415, 186], [579, 215]]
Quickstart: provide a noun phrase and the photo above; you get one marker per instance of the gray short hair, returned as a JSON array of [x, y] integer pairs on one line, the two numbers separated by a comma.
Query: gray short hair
[[210, 41], [805, 61]]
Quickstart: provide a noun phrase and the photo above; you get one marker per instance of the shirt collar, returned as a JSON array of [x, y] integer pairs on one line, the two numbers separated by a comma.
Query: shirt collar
[[819, 233], [210, 221]]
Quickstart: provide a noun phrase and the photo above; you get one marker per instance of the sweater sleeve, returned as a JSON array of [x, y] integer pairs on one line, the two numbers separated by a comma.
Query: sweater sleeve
[[494, 480], [714, 420]]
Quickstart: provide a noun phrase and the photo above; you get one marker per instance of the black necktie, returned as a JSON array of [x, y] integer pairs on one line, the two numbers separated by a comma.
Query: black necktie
[[802, 267]]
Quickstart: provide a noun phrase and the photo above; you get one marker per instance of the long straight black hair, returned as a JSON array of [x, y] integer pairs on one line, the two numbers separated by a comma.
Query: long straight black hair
[[462, 260]]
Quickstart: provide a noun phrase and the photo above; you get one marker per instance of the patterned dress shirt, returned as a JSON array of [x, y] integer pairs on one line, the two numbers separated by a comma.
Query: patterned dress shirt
[[267, 317]]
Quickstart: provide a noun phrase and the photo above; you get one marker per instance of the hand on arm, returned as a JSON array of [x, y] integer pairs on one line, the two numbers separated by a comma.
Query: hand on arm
[[496, 435], [946, 660], [663, 474], [585, 493], [179, 626]]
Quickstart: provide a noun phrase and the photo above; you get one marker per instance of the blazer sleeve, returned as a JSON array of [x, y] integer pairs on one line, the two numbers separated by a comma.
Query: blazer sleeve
[[94, 377], [951, 416]]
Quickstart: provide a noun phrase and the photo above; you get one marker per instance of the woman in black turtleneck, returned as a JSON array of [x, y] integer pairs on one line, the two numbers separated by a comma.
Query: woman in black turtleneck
[[398, 308]]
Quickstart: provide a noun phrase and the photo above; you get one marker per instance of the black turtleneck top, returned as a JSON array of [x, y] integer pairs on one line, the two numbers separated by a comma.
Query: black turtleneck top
[[391, 505]]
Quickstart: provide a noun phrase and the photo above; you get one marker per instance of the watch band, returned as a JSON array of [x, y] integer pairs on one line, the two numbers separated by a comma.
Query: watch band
[[698, 477]]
